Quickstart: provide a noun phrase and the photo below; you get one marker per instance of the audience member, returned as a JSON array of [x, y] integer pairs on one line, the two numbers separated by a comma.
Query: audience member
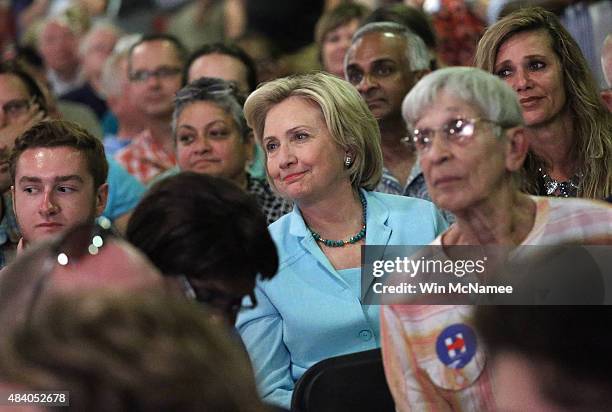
[[530, 373], [415, 20], [124, 189], [59, 179], [84, 257], [144, 351], [117, 89], [468, 131], [384, 63], [207, 234], [323, 152], [228, 62], [333, 34], [155, 65], [58, 44], [199, 22], [224, 61], [459, 27], [212, 137], [568, 128], [22, 105], [94, 49], [606, 66]]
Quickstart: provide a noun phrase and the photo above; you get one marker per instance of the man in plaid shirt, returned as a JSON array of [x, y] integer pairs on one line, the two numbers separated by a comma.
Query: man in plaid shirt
[[155, 65]]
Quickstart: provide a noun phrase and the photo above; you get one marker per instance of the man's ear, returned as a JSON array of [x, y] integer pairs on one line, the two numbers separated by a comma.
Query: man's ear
[[101, 198], [517, 147]]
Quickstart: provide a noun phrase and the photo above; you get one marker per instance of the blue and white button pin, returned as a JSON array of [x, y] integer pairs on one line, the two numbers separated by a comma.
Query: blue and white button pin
[[456, 345]]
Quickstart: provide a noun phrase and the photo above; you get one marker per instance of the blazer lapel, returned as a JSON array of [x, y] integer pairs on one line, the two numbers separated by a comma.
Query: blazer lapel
[[300, 231], [378, 234]]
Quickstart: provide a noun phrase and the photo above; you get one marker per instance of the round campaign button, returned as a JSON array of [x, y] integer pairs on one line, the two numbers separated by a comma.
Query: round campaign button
[[456, 345]]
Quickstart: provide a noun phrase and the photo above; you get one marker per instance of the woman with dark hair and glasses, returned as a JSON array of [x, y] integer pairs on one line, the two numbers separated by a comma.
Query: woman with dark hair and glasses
[[467, 128], [212, 137], [207, 234]]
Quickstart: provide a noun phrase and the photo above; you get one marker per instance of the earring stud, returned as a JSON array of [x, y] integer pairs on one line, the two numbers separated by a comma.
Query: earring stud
[[348, 161]]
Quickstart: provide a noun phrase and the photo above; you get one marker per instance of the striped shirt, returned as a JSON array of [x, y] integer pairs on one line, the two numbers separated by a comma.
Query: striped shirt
[[415, 337]]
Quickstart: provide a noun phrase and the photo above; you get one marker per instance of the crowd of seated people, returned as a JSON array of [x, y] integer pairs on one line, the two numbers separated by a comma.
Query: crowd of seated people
[[176, 234]]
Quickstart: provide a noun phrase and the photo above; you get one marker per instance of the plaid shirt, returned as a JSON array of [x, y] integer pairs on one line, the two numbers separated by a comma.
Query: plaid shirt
[[272, 205], [144, 158]]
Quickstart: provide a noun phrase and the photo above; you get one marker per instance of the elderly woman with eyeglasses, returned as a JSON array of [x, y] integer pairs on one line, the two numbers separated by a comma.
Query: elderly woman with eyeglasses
[[322, 148], [212, 138], [467, 128]]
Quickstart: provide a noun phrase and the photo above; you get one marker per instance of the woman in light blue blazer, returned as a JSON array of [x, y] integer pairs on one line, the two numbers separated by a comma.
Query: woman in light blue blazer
[[323, 152]]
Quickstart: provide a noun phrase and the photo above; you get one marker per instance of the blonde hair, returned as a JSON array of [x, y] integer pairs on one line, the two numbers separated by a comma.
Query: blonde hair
[[348, 119], [592, 121]]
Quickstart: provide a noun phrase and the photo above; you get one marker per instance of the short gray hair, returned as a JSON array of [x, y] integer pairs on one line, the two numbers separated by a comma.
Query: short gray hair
[[416, 51], [493, 97], [101, 25], [347, 117], [225, 94], [111, 82]]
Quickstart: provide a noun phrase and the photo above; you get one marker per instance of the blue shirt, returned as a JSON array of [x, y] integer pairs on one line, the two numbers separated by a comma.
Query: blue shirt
[[124, 191], [112, 144], [309, 311], [415, 187]]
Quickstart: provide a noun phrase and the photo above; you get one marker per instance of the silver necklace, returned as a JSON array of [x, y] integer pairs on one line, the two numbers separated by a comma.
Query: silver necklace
[[567, 188]]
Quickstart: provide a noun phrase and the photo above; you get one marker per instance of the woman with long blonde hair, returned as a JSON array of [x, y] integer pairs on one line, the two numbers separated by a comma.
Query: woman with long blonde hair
[[568, 127]]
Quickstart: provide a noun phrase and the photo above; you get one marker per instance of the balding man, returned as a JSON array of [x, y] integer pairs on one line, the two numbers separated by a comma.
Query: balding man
[[384, 62]]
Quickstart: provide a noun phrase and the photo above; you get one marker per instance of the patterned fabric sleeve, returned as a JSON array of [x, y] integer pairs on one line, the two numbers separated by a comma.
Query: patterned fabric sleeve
[[401, 377]]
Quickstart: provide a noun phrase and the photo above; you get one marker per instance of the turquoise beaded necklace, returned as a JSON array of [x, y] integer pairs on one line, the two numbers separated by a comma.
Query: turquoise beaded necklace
[[350, 240]]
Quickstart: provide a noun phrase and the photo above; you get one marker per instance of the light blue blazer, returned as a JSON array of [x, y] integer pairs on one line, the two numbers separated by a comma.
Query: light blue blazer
[[309, 312]]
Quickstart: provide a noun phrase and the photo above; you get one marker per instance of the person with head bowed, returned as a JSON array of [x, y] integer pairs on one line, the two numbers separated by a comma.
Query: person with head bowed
[[322, 148], [208, 237], [568, 128], [467, 128]]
